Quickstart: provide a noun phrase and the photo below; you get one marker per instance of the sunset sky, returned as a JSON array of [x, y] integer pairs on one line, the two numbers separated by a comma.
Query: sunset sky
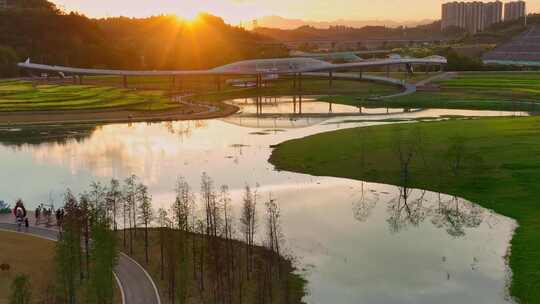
[[234, 11]]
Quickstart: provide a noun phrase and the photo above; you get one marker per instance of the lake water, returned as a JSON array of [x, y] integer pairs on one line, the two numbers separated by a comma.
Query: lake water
[[356, 242]]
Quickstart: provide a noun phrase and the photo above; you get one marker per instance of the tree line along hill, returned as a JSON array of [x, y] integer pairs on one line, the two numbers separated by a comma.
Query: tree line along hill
[[42, 32], [37, 29]]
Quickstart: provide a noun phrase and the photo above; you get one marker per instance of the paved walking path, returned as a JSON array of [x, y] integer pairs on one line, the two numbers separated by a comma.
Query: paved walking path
[[410, 88], [136, 285]]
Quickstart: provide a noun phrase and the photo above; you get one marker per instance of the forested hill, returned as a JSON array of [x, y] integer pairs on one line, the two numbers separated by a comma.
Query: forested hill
[[430, 31], [41, 32]]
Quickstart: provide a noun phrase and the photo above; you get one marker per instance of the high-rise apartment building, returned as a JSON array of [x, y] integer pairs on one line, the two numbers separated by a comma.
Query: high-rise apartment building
[[493, 13], [477, 16], [472, 16], [515, 10]]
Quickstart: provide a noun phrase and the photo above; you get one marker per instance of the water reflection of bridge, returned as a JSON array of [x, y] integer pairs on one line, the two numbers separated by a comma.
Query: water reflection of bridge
[[274, 122], [297, 111]]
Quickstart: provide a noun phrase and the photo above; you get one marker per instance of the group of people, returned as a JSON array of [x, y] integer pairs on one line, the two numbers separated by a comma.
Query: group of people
[[41, 212]]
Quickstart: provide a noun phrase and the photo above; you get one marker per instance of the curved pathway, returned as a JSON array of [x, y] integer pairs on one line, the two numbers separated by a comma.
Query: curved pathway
[[409, 88], [136, 285]]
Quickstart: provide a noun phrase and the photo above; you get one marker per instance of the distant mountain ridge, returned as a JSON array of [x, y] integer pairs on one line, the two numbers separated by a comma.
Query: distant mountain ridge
[[288, 23]]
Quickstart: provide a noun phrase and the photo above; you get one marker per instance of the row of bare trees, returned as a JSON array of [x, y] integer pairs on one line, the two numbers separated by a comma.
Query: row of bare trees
[[207, 254], [205, 247]]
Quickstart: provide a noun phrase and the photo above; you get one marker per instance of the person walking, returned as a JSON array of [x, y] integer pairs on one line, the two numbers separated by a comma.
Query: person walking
[[37, 214]]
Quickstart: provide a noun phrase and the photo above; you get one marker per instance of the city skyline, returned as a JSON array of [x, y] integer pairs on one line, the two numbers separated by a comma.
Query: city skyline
[[236, 11]]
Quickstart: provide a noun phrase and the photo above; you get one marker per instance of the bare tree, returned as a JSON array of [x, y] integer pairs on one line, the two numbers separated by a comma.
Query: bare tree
[[114, 198], [130, 194], [172, 257], [181, 210], [130, 200], [182, 206], [125, 216], [228, 232], [145, 213], [163, 222], [97, 196], [211, 207], [274, 234], [248, 224]]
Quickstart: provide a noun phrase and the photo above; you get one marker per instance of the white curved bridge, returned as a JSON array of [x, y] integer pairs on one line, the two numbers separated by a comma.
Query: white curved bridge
[[281, 66]]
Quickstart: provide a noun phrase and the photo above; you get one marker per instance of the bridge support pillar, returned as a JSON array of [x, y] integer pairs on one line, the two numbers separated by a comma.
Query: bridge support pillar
[[74, 78], [300, 81], [360, 74], [330, 78], [124, 81], [80, 79], [218, 82]]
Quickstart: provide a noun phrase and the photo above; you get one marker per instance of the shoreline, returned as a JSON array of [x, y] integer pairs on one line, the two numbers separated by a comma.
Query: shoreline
[[192, 112]]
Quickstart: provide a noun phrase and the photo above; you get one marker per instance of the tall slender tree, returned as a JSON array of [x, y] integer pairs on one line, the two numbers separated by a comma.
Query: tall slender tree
[[114, 199], [145, 213], [104, 255], [68, 251], [163, 222], [130, 199], [228, 232], [248, 224]]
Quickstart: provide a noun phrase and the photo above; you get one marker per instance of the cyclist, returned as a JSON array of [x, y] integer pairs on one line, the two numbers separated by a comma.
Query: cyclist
[[20, 213]]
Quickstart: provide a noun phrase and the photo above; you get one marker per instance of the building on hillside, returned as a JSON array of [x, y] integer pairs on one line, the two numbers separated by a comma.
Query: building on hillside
[[515, 10], [477, 16], [471, 16]]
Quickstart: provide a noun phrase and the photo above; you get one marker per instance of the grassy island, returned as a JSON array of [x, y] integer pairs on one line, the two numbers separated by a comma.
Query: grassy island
[[494, 162]]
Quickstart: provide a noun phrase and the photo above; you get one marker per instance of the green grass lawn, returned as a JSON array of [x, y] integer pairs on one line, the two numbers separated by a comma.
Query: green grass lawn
[[24, 95], [494, 162], [510, 91], [101, 93]]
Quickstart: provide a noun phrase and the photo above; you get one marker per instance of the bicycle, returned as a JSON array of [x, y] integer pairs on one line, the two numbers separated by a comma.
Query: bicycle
[[20, 222]]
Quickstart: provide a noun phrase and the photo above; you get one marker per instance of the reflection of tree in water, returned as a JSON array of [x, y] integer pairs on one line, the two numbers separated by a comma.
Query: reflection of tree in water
[[404, 211], [184, 129], [36, 135], [455, 215], [364, 206], [411, 208]]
